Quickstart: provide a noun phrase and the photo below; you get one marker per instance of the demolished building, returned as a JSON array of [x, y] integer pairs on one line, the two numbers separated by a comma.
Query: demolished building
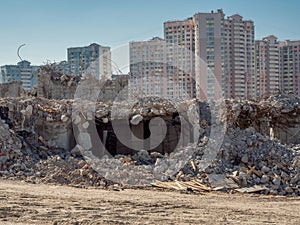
[[12, 89], [258, 146], [54, 84]]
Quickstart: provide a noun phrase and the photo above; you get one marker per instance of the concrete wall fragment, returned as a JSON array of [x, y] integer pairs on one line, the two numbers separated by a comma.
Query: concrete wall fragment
[[11, 90]]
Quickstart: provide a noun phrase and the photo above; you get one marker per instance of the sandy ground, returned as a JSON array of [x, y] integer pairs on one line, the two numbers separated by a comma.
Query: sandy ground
[[22, 203]]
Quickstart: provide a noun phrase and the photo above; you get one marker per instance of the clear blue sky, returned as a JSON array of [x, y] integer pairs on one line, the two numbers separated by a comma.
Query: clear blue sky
[[49, 27]]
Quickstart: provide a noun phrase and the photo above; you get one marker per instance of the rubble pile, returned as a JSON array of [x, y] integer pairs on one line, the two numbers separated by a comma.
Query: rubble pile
[[248, 159], [256, 149], [274, 116], [52, 83], [10, 147], [24, 111], [23, 156]]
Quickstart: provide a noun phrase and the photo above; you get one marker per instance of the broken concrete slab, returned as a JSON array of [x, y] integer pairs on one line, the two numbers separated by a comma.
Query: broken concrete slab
[[254, 189]]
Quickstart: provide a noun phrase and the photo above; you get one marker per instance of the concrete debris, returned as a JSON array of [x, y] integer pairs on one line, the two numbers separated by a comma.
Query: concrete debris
[[260, 151], [269, 163], [220, 181], [12, 89], [253, 189], [277, 116], [23, 156], [52, 83], [142, 156], [136, 119]]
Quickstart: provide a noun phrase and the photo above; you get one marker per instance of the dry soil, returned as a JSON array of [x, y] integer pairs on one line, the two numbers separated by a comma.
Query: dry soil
[[23, 203]]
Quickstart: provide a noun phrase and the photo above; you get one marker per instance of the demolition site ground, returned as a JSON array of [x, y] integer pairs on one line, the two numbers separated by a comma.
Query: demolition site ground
[[22, 203]]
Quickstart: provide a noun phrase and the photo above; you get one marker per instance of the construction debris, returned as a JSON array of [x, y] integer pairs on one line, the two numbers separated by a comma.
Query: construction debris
[[253, 189], [53, 83], [193, 185], [259, 153], [250, 159], [24, 156], [12, 89]]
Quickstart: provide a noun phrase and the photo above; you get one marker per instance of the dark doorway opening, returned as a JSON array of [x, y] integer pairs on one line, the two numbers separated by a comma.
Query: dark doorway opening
[[114, 146]]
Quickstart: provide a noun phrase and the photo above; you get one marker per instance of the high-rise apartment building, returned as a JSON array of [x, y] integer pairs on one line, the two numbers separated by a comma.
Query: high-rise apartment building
[[267, 66], [239, 80], [207, 56], [209, 62], [23, 72], [192, 57], [180, 49], [148, 74], [92, 60], [290, 66]]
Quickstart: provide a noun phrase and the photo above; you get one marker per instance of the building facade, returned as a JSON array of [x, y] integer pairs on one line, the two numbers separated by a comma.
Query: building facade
[[290, 66], [240, 79], [191, 59], [92, 60], [208, 56], [165, 67], [148, 74], [267, 66], [209, 51], [180, 58], [23, 72]]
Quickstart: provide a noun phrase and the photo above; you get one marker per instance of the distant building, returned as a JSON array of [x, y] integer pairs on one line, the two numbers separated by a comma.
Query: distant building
[[290, 66], [240, 80], [63, 66], [209, 48], [188, 63], [209, 56], [267, 66], [148, 74], [23, 72], [180, 57], [92, 60]]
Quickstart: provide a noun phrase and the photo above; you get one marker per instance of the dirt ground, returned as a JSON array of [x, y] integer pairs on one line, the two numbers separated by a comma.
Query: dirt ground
[[22, 203]]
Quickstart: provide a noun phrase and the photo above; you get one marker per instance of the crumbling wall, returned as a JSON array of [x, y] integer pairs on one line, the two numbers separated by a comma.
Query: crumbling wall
[[42, 117], [137, 119], [13, 89], [56, 133], [53, 121], [286, 129], [53, 84], [277, 116], [114, 88], [141, 131]]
